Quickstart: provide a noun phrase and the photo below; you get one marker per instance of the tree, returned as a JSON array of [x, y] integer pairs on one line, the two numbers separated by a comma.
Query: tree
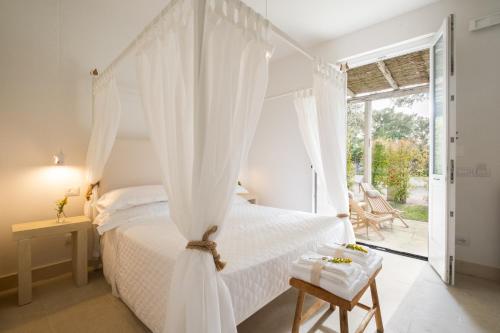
[[391, 125], [409, 100], [421, 132], [400, 125]]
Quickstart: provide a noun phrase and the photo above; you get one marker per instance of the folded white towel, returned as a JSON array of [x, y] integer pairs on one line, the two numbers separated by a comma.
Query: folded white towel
[[330, 281], [342, 250], [343, 270], [370, 261]]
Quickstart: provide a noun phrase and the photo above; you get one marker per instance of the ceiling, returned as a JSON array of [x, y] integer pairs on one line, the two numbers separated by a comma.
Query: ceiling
[[314, 21], [405, 70]]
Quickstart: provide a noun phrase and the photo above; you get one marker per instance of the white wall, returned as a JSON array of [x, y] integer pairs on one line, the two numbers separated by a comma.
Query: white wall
[[278, 169], [478, 116], [47, 50]]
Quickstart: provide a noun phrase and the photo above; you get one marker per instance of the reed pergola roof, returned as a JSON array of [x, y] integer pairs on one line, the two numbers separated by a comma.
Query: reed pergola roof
[[393, 75]]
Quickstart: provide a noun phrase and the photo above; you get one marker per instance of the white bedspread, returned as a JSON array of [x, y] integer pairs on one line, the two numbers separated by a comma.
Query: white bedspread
[[258, 243]]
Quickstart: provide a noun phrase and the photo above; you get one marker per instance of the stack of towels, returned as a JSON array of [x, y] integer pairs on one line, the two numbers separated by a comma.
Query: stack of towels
[[341, 270], [367, 259]]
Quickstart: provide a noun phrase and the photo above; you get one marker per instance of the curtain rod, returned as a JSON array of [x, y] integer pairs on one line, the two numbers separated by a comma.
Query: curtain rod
[[290, 41], [283, 94], [125, 52], [278, 32], [343, 68]]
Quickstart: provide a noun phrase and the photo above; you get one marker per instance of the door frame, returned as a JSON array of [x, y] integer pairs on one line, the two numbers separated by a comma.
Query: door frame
[[407, 46], [404, 47]]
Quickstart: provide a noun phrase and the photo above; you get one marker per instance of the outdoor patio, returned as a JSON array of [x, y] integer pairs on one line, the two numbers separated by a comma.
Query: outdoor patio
[[411, 240], [388, 148]]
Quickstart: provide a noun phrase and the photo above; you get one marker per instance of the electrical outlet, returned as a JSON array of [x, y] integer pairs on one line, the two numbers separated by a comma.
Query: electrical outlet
[[462, 241], [72, 192]]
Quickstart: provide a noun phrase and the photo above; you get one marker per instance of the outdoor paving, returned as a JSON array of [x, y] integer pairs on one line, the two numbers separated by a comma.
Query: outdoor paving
[[411, 240]]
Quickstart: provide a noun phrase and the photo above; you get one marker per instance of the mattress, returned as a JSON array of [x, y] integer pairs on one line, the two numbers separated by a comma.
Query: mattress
[[258, 243]]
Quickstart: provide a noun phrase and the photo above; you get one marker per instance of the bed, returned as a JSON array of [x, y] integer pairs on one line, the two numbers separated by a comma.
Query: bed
[[258, 244]]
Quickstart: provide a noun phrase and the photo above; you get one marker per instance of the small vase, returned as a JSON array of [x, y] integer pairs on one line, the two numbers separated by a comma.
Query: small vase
[[61, 217]]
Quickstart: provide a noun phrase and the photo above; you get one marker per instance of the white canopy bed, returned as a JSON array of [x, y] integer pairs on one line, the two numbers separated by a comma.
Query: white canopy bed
[[202, 70]]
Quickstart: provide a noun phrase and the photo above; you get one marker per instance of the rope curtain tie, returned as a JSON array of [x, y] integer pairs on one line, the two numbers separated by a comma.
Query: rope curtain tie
[[342, 215], [208, 246], [88, 195]]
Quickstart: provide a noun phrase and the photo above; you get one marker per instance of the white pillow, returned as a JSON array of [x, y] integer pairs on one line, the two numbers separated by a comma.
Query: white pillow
[[106, 221], [240, 189], [373, 193], [127, 197]]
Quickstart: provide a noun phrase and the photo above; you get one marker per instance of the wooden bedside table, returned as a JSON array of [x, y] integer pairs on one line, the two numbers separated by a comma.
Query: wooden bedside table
[[24, 232], [250, 197]]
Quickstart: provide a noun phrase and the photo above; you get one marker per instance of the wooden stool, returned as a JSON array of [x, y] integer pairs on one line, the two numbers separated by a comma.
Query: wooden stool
[[343, 304]]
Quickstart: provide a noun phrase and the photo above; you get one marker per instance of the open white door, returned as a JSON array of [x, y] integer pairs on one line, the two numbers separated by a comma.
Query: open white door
[[442, 153]]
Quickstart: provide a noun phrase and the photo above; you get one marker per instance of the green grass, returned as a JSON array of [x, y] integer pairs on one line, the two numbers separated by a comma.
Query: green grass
[[412, 212]]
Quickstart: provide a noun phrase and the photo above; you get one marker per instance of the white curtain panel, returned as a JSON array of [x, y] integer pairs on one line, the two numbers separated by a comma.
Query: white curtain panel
[[322, 116], [105, 122], [305, 106], [201, 125]]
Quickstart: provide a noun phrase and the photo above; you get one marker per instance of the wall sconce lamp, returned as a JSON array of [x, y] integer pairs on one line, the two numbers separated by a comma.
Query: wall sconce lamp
[[59, 158]]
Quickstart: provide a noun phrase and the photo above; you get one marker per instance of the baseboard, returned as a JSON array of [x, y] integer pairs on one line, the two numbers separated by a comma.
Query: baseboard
[[478, 270], [53, 270], [45, 272]]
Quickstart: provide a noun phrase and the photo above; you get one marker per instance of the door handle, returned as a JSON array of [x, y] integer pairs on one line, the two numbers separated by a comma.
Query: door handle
[[452, 171]]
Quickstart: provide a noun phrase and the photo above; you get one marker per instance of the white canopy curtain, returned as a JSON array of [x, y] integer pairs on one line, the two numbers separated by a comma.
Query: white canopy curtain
[[322, 112], [202, 116], [105, 122]]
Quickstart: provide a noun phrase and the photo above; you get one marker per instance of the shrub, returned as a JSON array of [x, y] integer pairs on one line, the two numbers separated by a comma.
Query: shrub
[[398, 172], [379, 165], [420, 161], [351, 171]]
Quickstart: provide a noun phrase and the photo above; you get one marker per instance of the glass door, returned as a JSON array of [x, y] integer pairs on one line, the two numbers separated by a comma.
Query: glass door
[[442, 154]]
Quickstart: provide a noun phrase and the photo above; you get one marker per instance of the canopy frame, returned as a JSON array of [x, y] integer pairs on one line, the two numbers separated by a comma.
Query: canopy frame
[[131, 47]]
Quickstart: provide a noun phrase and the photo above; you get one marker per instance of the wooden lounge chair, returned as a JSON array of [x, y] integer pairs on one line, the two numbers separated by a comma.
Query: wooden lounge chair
[[380, 206], [367, 219]]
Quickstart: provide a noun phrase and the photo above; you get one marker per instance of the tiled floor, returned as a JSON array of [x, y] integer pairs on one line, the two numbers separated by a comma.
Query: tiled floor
[[412, 298], [58, 306], [411, 240]]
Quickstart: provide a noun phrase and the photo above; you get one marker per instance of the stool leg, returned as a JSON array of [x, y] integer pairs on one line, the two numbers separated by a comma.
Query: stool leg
[[298, 312], [376, 305], [344, 323]]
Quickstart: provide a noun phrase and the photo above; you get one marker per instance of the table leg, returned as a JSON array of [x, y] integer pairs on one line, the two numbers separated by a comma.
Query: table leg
[[376, 305], [80, 271], [344, 322], [24, 271], [298, 312]]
